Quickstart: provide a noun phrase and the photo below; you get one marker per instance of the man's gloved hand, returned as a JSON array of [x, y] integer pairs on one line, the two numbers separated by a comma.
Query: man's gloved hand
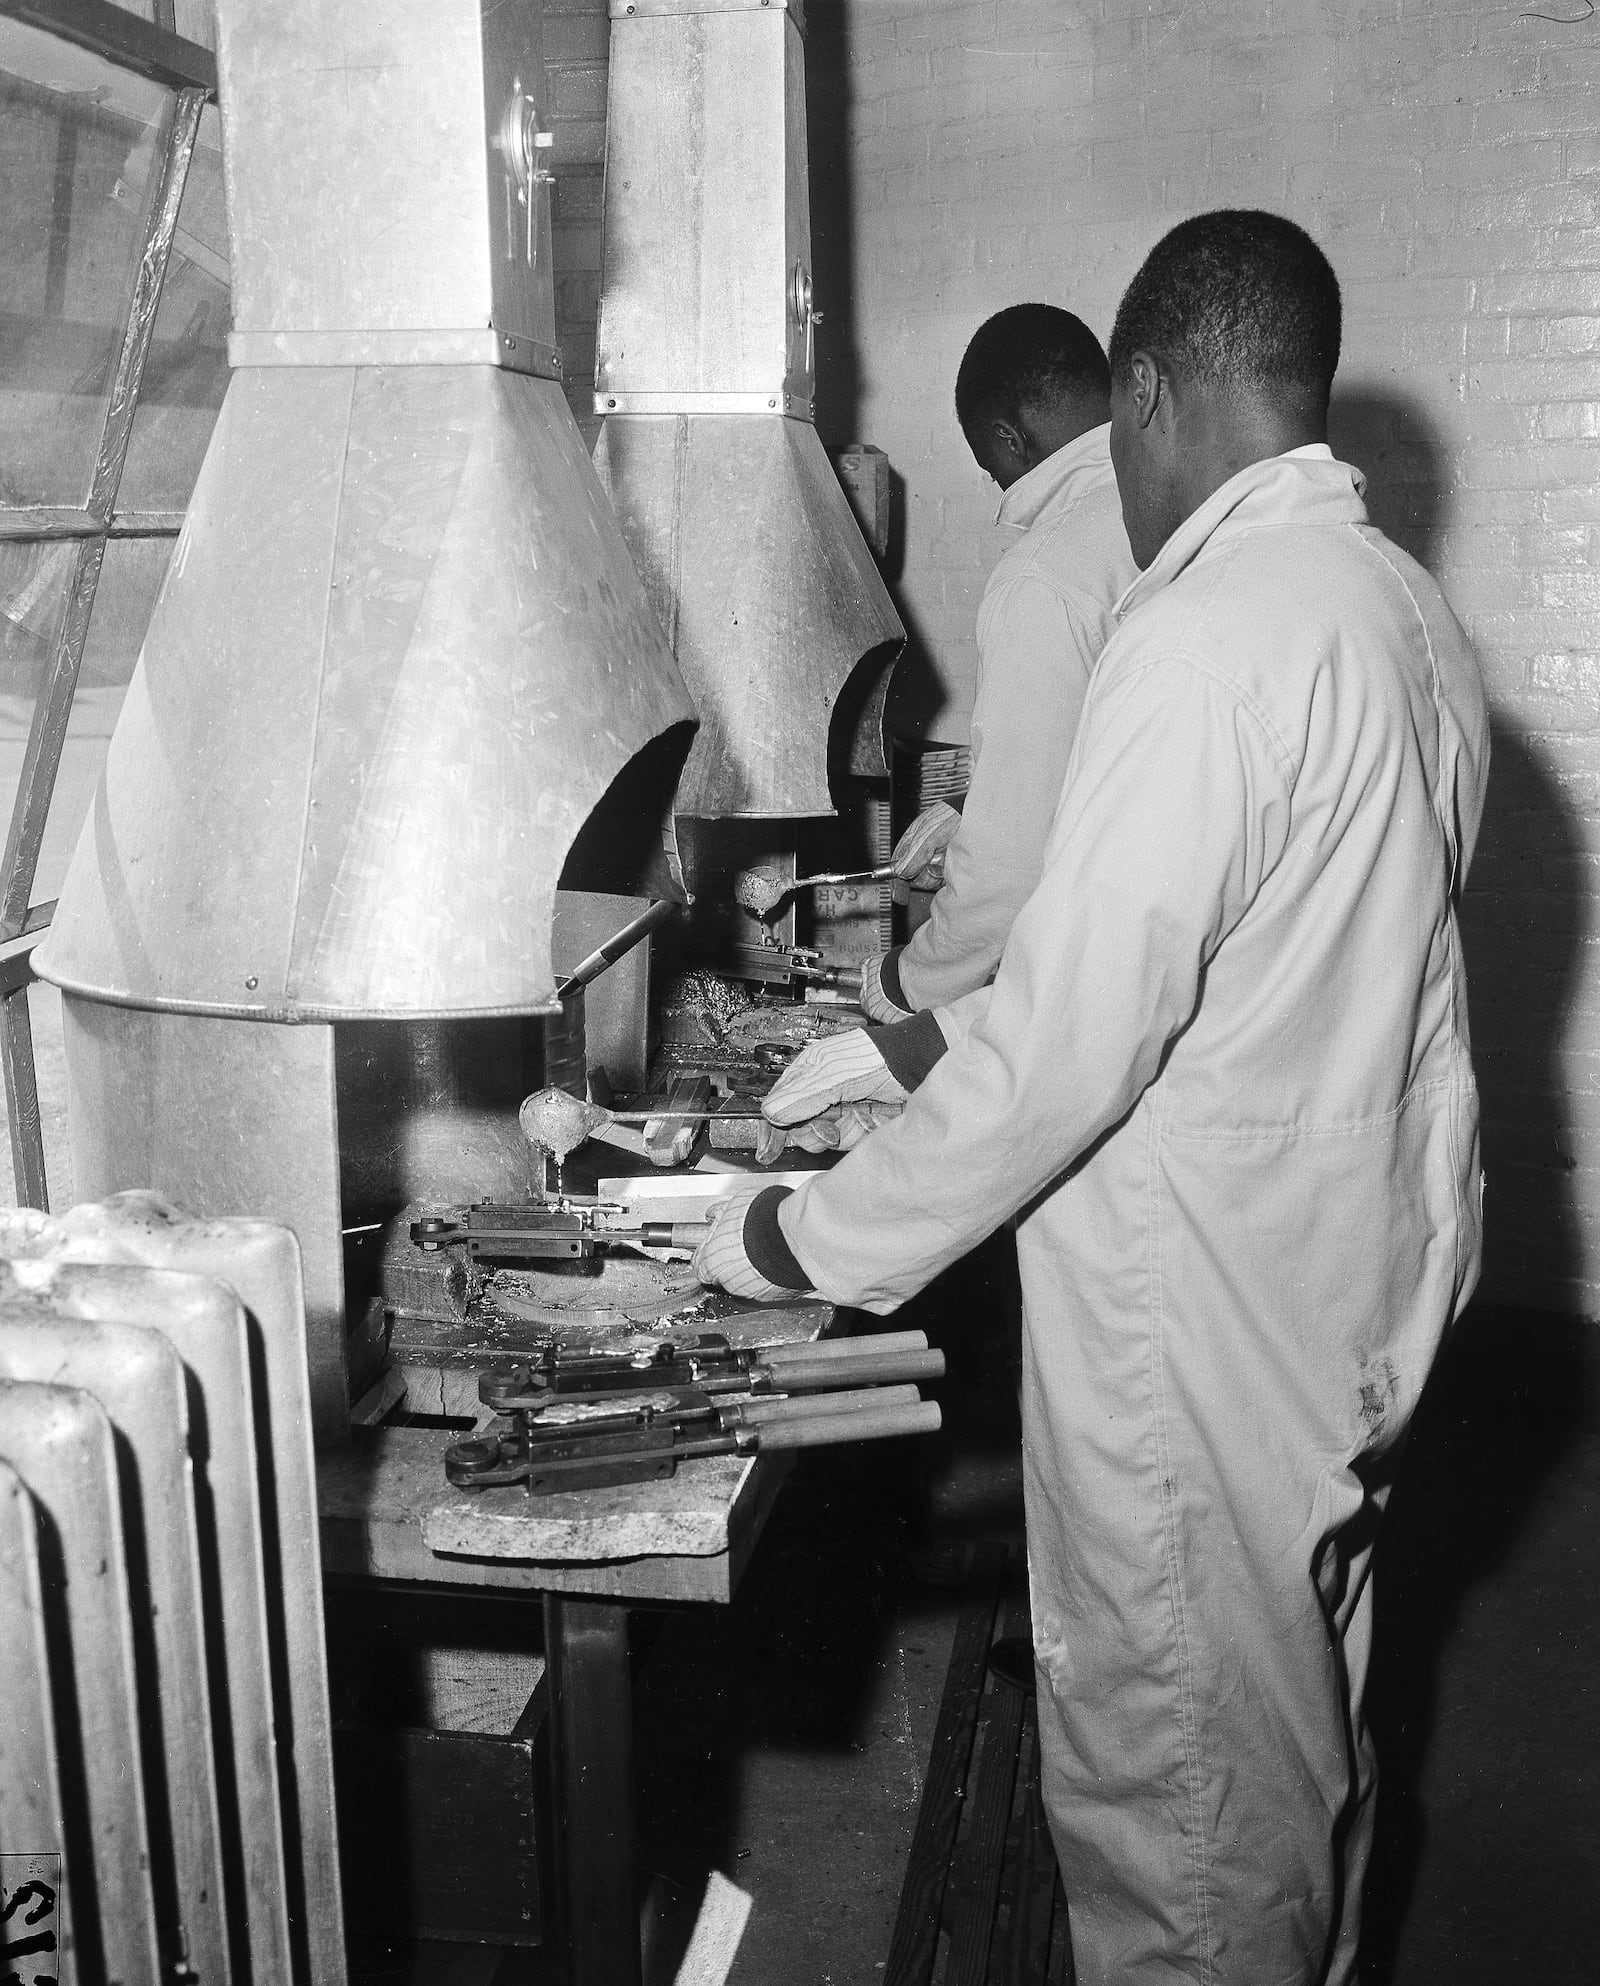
[[918, 857], [842, 1127], [846, 1069], [721, 1261], [876, 1004]]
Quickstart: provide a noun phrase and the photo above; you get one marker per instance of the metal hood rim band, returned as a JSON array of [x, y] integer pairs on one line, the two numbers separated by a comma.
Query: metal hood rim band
[[289, 1016]]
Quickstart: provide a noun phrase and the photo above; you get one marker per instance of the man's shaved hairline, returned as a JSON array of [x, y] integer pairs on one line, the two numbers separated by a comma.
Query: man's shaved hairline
[[1273, 257]]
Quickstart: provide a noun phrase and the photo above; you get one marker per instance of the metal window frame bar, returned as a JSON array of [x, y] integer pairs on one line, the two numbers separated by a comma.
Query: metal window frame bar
[[147, 49], [53, 710], [16, 1058], [43, 523], [191, 71]]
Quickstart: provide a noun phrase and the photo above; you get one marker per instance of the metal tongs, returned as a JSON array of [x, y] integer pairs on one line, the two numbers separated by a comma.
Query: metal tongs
[[588, 1421]]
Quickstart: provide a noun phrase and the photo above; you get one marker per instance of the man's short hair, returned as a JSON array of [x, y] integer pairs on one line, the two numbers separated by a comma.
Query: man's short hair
[[1235, 299], [1026, 355]]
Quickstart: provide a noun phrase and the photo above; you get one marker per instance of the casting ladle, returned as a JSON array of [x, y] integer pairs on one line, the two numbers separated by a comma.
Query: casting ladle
[[560, 1122], [760, 891]]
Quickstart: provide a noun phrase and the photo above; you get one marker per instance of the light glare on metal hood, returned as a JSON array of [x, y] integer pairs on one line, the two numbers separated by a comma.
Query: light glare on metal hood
[[703, 372], [401, 650], [400, 654]]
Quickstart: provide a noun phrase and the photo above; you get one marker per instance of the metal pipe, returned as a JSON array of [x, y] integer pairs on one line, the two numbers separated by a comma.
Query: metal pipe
[[616, 947]]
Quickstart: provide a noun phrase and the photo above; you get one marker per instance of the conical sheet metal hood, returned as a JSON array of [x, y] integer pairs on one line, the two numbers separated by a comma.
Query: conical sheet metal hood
[[769, 595], [400, 653]]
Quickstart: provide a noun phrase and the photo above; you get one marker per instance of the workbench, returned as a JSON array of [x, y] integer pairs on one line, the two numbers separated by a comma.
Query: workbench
[[387, 1513]]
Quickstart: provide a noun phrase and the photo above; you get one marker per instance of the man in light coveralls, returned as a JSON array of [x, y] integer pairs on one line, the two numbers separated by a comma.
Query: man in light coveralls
[[1223, 1078], [1032, 397]]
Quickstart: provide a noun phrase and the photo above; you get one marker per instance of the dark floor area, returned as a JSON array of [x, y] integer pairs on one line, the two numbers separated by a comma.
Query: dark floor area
[[1485, 1704]]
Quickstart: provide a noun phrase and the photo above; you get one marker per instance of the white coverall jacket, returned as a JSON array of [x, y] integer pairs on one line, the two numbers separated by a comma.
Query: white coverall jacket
[[1046, 613], [1224, 1074]]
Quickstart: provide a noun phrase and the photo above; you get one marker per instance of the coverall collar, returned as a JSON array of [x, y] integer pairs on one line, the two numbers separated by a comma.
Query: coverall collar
[[1309, 483], [1059, 480]]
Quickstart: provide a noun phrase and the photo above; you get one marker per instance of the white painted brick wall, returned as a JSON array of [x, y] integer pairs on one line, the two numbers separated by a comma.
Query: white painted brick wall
[[1444, 152]]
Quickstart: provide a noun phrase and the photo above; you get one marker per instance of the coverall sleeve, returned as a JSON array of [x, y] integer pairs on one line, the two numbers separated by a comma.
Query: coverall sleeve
[[1036, 652], [1176, 809]]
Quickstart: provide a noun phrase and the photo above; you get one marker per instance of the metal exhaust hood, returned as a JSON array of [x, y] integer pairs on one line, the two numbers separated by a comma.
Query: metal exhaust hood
[[704, 370], [401, 651]]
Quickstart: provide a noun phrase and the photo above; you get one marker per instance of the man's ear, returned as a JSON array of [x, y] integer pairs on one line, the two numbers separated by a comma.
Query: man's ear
[[1146, 387], [1009, 439]]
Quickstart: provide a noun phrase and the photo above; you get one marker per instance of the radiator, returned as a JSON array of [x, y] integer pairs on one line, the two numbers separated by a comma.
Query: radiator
[[158, 1533]]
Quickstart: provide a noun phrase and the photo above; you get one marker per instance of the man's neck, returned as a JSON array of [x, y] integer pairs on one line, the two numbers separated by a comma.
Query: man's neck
[[1220, 436], [1054, 426]]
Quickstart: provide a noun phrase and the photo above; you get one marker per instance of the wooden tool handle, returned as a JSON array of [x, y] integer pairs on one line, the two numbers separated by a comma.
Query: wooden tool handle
[[870, 1369], [848, 1348], [883, 1424], [813, 1406]]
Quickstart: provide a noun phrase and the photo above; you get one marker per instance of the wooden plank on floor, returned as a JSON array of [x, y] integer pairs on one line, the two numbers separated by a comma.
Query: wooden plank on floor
[[988, 1817], [916, 1931], [1022, 1952], [986, 1826]]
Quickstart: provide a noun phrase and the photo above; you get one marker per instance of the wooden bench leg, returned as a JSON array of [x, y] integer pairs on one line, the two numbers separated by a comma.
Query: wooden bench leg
[[591, 1709]]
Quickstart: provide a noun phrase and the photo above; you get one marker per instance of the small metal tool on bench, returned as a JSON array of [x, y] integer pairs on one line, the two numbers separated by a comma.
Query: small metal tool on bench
[[561, 1230], [788, 966], [711, 1364]]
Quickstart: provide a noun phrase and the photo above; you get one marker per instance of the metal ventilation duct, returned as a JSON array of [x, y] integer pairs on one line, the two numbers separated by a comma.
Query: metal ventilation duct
[[704, 373], [401, 651]]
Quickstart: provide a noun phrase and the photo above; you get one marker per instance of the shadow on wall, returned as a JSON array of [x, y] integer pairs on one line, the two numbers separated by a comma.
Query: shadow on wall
[[1522, 916], [833, 263], [916, 696], [1520, 921]]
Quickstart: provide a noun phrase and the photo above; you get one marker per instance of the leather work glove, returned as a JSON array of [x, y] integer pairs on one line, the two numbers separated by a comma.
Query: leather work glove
[[845, 1069], [875, 1002], [721, 1262], [918, 857], [842, 1127]]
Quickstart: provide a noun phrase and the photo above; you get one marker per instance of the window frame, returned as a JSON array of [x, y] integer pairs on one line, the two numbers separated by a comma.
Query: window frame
[[190, 72]]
